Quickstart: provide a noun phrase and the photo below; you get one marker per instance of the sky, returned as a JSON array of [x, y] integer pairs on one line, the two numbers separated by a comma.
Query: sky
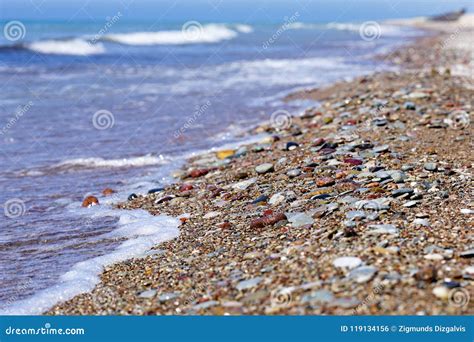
[[225, 10]]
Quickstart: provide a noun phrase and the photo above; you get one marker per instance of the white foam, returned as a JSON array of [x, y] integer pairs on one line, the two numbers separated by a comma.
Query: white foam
[[142, 230], [91, 163], [242, 28], [76, 47], [385, 29], [212, 33], [302, 26]]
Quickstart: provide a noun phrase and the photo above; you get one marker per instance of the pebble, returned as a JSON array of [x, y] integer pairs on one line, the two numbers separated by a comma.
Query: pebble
[[398, 177], [264, 168], [291, 145], [362, 274], [355, 214], [402, 191], [211, 214], [108, 192], [325, 181], [293, 173], [441, 292], [90, 201], [382, 174], [249, 283], [276, 199], [244, 184], [225, 154], [186, 187], [168, 296], [319, 296], [205, 305], [353, 161], [411, 204], [380, 229], [131, 197], [379, 122], [467, 211], [382, 148], [147, 294], [163, 199], [417, 95], [347, 262], [467, 254], [155, 190], [299, 219], [260, 199], [198, 173], [421, 222], [430, 166], [409, 106], [469, 270]]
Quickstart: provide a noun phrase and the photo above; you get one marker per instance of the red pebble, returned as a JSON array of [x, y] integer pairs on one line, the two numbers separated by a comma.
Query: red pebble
[[267, 212], [185, 187], [198, 173], [353, 161], [267, 220], [225, 225], [318, 141]]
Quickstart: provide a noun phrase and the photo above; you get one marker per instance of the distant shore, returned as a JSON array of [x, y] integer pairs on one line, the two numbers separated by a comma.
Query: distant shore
[[361, 206]]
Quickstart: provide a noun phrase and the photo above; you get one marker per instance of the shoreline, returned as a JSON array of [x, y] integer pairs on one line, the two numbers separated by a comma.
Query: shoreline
[[235, 257]]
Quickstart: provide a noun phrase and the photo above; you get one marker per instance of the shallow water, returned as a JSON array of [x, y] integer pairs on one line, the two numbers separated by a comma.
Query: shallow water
[[81, 113]]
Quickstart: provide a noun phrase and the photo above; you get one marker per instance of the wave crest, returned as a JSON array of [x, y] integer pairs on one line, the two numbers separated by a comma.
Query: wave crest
[[212, 33], [76, 47]]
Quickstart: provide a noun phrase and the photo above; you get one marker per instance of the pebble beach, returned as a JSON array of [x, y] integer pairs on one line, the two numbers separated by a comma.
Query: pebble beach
[[360, 206]]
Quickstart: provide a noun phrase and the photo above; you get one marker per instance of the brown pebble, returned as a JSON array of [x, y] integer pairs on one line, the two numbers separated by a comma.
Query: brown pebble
[[325, 181], [198, 173], [108, 192], [89, 201]]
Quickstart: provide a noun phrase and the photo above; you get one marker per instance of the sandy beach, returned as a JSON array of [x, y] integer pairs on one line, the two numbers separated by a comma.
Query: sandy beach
[[360, 206]]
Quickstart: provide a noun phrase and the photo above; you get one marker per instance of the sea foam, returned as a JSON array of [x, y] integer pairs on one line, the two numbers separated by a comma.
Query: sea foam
[[76, 47], [212, 33]]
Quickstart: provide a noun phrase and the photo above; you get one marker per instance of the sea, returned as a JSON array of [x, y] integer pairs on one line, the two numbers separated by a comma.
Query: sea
[[119, 96]]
